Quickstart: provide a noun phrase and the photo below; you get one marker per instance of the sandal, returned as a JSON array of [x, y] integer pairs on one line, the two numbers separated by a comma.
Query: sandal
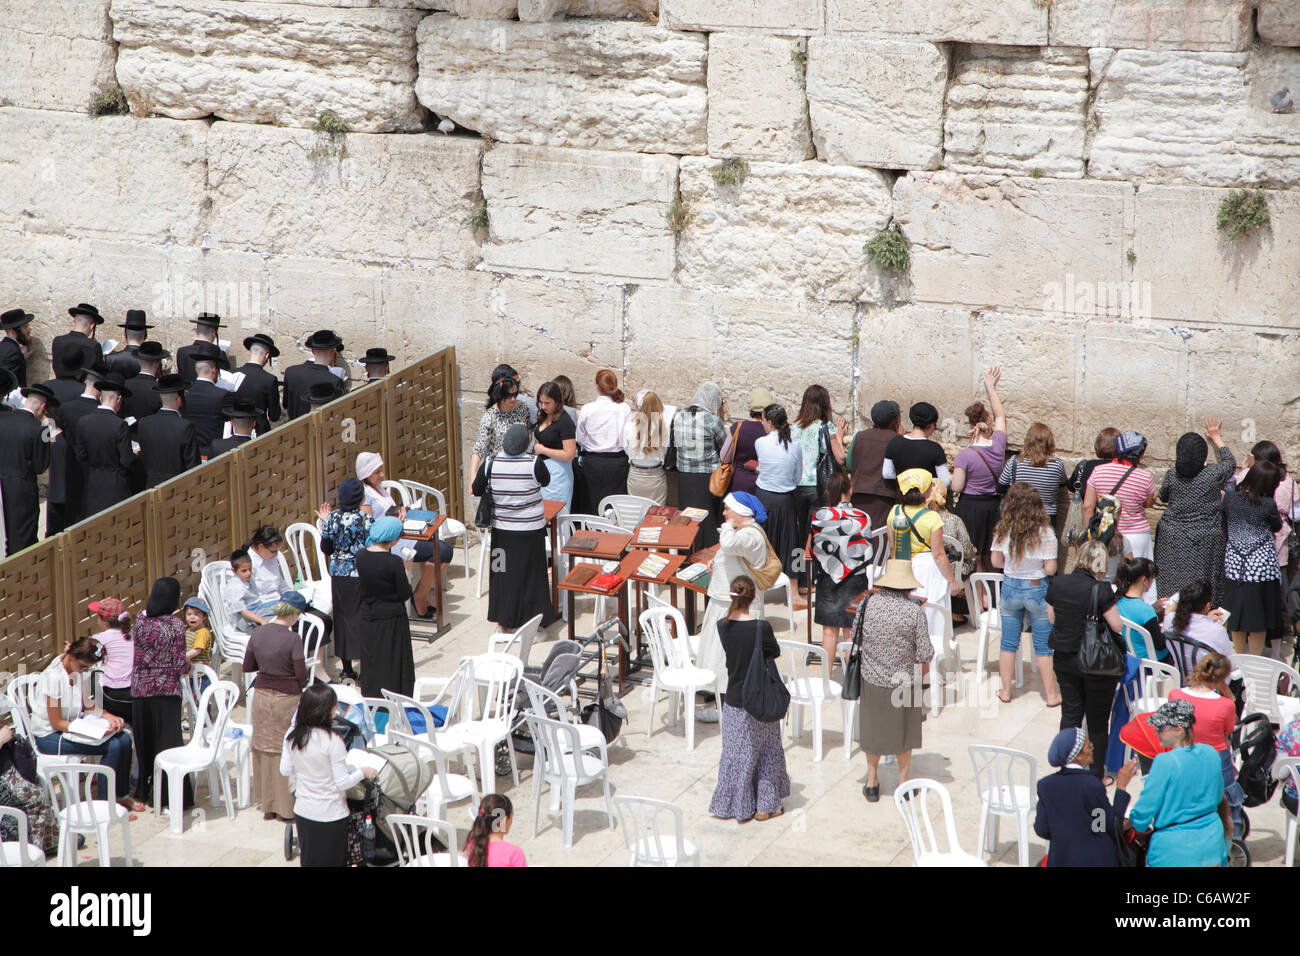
[[1005, 700], [132, 804], [769, 816]]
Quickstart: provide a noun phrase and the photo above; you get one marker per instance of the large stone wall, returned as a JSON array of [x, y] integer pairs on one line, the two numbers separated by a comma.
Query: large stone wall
[[682, 190]]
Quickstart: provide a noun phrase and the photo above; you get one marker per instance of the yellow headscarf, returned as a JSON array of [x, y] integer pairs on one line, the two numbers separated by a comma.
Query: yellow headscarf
[[915, 479]]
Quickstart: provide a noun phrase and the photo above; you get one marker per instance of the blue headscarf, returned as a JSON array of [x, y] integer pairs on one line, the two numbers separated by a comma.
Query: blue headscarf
[[747, 503], [384, 530]]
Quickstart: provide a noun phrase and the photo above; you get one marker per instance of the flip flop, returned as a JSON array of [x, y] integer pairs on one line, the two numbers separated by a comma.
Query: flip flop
[[134, 805], [1005, 700]]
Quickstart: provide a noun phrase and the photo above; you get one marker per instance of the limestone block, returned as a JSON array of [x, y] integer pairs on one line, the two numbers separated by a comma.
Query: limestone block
[[581, 83], [1279, 22], [1204, 278], [1152, 24], [425, 310], [645, 9], [787, 345], [787, 230], [392, 197], [1012, 245], [308, 294], [774, 16], [111, 176], [57, 53], [486, 9], [268, 62], [1200, 118], [541, 11], [757, 105], [1013, 22], [580, 211], [877, 103], [1014, 110], [555, 327], [1252, 407]]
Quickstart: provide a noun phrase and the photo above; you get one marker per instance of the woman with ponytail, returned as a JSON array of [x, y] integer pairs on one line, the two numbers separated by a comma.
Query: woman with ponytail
[[780, 465], [600, 434], [1192, 618], [486, 844], [110, 623]]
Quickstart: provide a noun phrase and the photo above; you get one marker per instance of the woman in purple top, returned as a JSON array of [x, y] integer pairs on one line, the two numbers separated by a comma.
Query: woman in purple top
[[977, 466], [158, 637], [742, 436]]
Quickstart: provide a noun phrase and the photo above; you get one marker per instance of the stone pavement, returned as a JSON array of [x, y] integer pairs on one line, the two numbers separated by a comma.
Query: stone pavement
[[827, 821]]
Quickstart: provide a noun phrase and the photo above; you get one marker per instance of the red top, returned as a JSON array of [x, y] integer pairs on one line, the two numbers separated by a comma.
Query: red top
[[1215, 717]]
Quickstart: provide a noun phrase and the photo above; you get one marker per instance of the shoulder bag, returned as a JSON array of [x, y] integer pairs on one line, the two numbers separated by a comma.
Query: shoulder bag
[[670, 453], [852, 688], [825, 460], [764, 695], [720, 479], [486, 505], [766, 576], [1099, 654]]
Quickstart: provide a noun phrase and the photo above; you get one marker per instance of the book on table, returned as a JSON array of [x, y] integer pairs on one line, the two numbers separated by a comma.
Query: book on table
[[419, 514], [652, 566], [582, 574], [695, 514], [606, 582], [692, 571], [661, 511], [648, 536], [678, 521], [583, 542], [89, 729], [414, 526]]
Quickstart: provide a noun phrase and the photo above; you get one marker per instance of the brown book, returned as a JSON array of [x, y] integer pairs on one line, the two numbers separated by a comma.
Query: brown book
[[582, 574], [679, 520], [583, 542]]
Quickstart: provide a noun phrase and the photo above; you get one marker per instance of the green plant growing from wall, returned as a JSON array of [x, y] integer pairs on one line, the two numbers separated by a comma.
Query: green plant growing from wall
[[731, 172], [888, 249], [799, 57], [1036, 173], [108, 101], [479, 221], [1131, 256], [679, 216], [1242, 211], [329, 126]]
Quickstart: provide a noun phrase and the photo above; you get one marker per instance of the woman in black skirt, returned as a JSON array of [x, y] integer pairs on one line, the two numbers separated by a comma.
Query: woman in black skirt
[[698, 433], [976, 468], [517, 584], [387, 661], [780, 463], [842, 554], [1251, 593], [343, 535], [600, 433]]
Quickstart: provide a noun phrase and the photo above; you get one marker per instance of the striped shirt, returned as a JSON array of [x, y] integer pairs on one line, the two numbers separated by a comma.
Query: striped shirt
[[1046, 480], [1132, 495], [517, 492]]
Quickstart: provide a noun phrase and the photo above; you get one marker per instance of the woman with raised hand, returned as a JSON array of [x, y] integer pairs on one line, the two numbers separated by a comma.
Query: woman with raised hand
[[976, 468], [343, 536], [1189, 535], [1252, 594]]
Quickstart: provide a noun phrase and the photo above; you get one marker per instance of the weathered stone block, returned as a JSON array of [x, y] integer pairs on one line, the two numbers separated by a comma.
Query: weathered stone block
[[1014, 110], [877, 103], [391, 197], [983, 243], [581, 211], [757, 105], [57, 53], [1152, 24], [645, 9], [1200, 118], [427, 310], [555, 327], [268, 62], [113, 176], [775, 16], [1252, 407], [308, 294], [542, 11], [1279, 22], [1015, 22], [581, 83], [787, 230], [486, 9]]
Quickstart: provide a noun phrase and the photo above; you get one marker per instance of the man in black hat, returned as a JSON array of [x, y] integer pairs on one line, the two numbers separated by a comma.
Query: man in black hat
[[15, 347], [243, 415], [206, 325], [102, 444], [143, 400], [168, 442], [24, 454], [322, 393], [66, 387], [71, 414], [298, 380], [259, 386], [376, 364], [204, 399], [123, 362], [81, 340]]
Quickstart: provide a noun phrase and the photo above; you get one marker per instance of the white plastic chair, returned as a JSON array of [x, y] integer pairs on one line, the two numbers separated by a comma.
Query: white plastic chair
[[947, 656], [373, 706], [22, 691], [842, 650], [561, 763], [397, 491], [988, 585], [21, 853], [1283, 768], [484, 548], [412, 835], [1132, 633], [303, 543], [215, 582], [1261, 676], [191, 692], [77, 810], [312, 630], [626, 511], [238, 752], [518, 643], [648, 842], [674, 674], [494, 677], [1155, 681], [205, 752], [544, 702], [912, 799], [1004, 792], [782, 584], [878, 538], [809, 691], [419, 495], [447, 788]]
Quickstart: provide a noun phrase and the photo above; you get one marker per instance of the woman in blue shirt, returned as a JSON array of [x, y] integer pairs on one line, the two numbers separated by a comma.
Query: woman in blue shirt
[[1134, 577], [1182, 798], [780, 466]]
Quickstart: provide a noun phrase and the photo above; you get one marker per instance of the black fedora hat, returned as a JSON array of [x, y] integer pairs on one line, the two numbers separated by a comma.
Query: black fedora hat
[[209, 319], [135, 321], [113, 382], [96, 370], [322, 392], [378, 357], [261, 338], [152, 351], [205, 352], [171, 383], [14, 319], [87, 310], [68, 365], [324, 340], [236, 407], [41, 391]]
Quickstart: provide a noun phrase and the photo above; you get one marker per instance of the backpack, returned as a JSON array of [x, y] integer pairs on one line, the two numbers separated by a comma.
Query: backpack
[[1104, 521], [1258, 751], [903, 529]]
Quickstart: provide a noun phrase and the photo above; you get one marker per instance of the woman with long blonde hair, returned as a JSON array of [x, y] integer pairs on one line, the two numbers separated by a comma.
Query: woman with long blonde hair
[[645, 437]]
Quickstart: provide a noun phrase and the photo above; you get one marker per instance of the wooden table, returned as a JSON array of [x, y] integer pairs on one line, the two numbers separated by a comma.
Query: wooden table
[[628, 569], [693, 588], [431, 534], [620, 593], [610, 547], [552, 509], [672, 537]]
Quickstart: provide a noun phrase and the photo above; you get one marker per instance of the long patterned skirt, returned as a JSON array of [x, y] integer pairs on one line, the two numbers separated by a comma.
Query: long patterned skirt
[[752, 776], [42, 825]]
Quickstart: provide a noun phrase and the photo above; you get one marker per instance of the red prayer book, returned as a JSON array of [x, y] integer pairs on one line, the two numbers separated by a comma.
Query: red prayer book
[[605, 582]]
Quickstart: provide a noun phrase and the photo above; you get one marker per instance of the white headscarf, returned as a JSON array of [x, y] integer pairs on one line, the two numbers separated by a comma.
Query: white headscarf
[[368, 462]]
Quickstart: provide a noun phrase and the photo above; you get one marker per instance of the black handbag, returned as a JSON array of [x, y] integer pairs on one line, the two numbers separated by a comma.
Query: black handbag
[[852, 688], [763, 695], [1099, 654], [825, 461], [486, 505], [670, 453]]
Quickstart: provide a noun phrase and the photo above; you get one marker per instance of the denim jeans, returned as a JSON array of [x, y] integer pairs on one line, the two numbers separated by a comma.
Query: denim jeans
[[1020, 598], [116, 751]]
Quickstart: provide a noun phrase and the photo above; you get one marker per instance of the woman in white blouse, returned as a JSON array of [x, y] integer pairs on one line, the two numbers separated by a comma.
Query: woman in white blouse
[[600, 435], [780, 466], [315, 761]]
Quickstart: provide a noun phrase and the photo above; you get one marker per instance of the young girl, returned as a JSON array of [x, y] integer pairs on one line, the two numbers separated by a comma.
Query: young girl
[[1133, 580], [111, 623], [486, 844]]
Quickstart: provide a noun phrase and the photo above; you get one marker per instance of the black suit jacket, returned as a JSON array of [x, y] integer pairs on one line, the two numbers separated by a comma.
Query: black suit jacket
[[67, 477], [12, 360], [223, 445], [143, 400], [124, 363], [24, 454], [89, 349], [262, 389], [298, 380], [185, 363], [203, 407], [102, 445], [168, 446], [1077, 818]]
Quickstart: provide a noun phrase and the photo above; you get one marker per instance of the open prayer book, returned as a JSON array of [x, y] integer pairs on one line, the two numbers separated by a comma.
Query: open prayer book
[[89, 729]]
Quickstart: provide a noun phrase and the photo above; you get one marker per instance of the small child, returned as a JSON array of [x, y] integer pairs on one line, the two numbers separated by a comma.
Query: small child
[[198, 636], [241, 605], [486, 844]]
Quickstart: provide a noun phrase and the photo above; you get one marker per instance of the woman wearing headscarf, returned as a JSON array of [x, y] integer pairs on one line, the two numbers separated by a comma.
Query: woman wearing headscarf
[[842, 552], [1189, 535], [698, 433], [275, 653], [865, 459], [158, 639], [916, 535], [504, 408], [1133, 485], [387, 660], [739, 448], [343, 534], [1182, 797], [1072, 805]]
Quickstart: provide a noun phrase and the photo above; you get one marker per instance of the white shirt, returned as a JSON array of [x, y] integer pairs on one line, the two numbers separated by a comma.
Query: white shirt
[[779, 468], [319, 776], [735, 547], [600, 425], [55, 688], [267, 584], [1030, 565]]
